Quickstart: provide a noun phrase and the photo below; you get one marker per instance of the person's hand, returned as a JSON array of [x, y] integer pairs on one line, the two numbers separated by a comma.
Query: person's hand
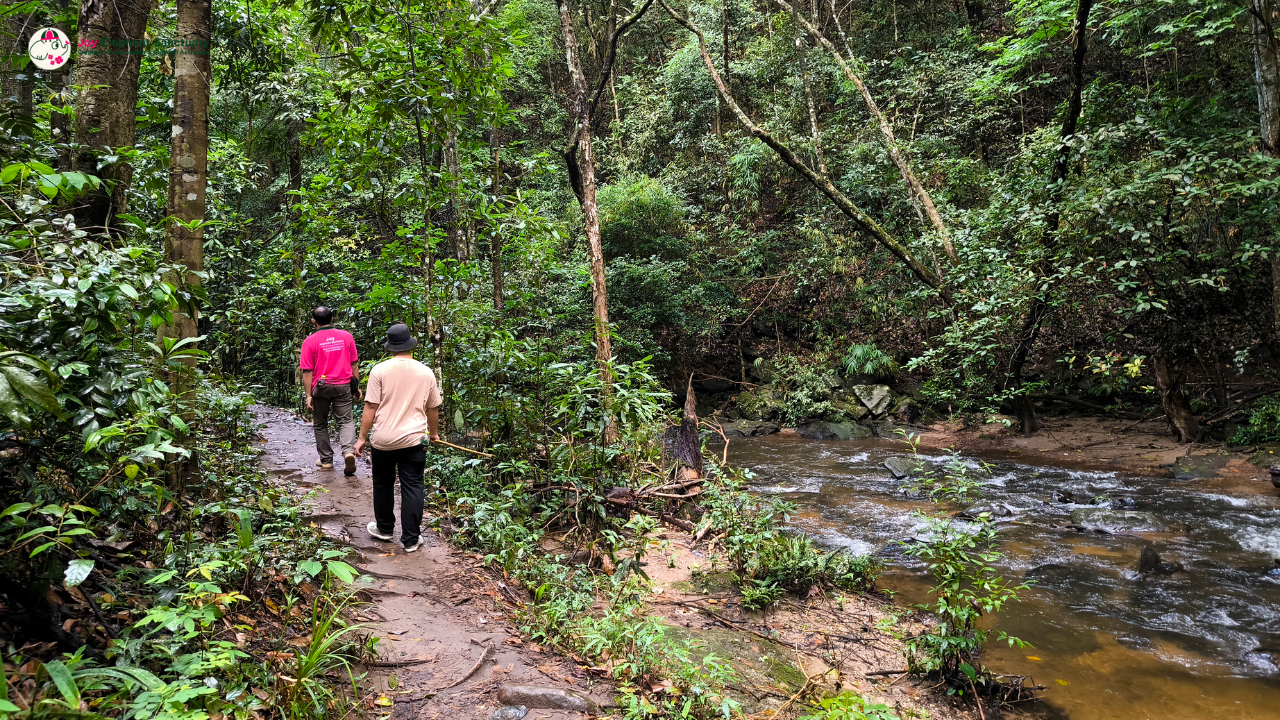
[[359, 449], [309, 406], [433, 437]]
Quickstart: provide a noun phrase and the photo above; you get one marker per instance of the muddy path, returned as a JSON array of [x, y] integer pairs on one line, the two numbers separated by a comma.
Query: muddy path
[[445, 641]]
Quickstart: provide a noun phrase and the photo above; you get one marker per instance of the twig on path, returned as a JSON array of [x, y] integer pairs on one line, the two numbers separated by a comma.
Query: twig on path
[[399, 663], [488, 650], [1126, 428], [884, 672]]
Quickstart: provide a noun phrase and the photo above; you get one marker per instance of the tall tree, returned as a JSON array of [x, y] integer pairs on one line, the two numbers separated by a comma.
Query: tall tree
[[1263, 17], [112, 39], [581, 114], [189, 150], [15, 81]]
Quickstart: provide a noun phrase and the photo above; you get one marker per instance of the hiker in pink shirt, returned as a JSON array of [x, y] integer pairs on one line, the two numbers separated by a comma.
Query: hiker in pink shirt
[[331, 376]]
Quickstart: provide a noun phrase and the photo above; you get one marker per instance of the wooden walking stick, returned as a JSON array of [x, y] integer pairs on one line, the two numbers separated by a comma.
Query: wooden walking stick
[[456, 447]]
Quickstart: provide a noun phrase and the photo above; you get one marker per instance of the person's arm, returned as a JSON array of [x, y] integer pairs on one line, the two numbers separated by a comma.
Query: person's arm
[[366, 422], [355, 373], [433, 423], [306, 384]]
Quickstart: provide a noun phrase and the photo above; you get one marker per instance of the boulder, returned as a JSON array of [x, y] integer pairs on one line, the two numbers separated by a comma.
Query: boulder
[[761, 370], [749, 428], [759, 404], [510, 712], [833, 382], [1149, 562], [713, 385], [886, 430], [1113, 522], [849, 411], [906, 410], [1275, 475], [539, 696], [875, 397], [902, 467], [995, 511], [1194, 467], [834, 431]]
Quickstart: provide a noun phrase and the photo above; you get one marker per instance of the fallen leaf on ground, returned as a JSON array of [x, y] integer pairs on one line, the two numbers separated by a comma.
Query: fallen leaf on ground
[[1033, 657], [1063, 682]]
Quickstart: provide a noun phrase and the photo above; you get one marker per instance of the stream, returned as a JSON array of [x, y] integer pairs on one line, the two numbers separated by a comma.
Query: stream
[[1109, 643]]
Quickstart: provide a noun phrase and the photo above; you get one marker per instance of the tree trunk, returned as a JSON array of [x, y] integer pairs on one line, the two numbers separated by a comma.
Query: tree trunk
[[591, 214], [1174, 402], [495, 238], [457, 235], [189, 151], [688, 446], [16, 84], [1053, 221], [294, 150], [107, 74], [808, 92], [1264, 16]]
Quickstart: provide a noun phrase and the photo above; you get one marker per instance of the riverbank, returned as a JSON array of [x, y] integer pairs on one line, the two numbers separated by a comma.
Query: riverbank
[[1098, 443], [436, 611]]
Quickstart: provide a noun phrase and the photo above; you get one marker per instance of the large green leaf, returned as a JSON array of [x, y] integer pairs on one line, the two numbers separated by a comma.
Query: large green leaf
[[33, 390], [66, 682], [11, 406]]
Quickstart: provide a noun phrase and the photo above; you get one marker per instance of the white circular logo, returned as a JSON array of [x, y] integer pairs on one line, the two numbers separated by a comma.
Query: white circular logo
[[49, 48]]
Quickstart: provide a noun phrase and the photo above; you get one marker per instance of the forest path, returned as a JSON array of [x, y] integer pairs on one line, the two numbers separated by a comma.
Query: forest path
[[436, 610]]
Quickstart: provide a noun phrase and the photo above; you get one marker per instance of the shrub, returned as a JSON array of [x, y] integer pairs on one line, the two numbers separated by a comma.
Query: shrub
[[851, 706], [1264, 424], [868, 359]]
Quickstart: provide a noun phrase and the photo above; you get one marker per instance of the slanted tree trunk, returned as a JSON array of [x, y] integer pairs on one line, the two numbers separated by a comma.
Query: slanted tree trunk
[[1174, 401], [915, 190], [1264, 15], [107, 74], [823, 183], [581, 112], [189, 150]]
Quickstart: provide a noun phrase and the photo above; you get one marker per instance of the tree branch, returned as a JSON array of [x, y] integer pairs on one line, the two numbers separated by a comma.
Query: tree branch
[[823, 183]]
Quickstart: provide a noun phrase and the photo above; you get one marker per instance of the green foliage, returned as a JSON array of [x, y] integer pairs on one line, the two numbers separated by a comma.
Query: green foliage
[[967, 586], [849, 705], [868, 359], [640, 218], [1264, 423]]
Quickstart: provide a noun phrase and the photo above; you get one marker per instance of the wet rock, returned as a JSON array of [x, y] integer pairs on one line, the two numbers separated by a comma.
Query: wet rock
[[875, 397], [759, 404], [1194, 467], [886, 430], [538, 696], [510, 712], [902, 467], [1149, 563], [1275, 475], [1114, 522], [761, 370], [833, 382], [834, 431], [1064, 497], [993, 510], [749, 428]]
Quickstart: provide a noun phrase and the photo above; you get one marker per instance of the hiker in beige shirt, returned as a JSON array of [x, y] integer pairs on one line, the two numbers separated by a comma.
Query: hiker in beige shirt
[[402, 405]]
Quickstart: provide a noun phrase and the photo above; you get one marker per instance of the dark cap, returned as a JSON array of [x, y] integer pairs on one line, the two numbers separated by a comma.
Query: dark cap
[[399, 339]]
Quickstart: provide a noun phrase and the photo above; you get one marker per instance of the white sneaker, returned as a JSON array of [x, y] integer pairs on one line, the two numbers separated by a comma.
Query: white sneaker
[[414, 547], [372, 527]]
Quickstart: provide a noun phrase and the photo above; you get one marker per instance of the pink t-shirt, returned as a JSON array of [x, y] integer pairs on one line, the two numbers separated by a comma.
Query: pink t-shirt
[[328, 353]]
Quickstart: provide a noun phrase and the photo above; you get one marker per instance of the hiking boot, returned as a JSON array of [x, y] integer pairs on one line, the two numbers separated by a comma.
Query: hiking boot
[[414, 547], [372, 527], [349, 464], [324, 465]]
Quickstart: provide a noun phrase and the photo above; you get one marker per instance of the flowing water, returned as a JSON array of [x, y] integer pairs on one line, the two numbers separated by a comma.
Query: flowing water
[[1110, 643]]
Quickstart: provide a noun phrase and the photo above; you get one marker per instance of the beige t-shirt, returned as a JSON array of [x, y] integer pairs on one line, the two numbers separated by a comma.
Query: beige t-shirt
[[403, 388]]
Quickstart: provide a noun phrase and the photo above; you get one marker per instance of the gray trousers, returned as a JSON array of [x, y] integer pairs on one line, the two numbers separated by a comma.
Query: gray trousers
[[333, 400]]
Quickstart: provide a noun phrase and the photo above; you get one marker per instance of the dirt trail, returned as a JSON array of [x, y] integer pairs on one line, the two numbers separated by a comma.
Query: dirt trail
[[437, 611]]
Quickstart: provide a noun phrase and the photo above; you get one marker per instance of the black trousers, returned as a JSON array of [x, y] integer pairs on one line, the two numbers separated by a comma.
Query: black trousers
[[409, 464]]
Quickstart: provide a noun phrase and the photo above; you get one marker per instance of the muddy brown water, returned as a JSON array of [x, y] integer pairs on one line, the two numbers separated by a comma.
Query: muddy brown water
[[1110, 643]]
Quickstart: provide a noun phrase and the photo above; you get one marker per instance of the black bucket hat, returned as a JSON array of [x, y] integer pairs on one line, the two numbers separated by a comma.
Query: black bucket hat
[[399, 339]]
